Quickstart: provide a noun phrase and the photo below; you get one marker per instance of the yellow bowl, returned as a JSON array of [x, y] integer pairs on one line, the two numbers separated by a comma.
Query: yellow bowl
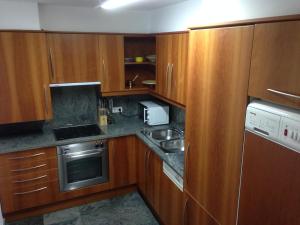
[[139, 59]]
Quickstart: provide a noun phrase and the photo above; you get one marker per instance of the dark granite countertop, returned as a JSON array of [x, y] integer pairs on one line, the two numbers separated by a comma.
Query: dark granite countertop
[[122, 127]]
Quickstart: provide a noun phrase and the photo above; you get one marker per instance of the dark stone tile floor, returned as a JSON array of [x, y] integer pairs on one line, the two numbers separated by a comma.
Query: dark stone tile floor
[[129, 209]]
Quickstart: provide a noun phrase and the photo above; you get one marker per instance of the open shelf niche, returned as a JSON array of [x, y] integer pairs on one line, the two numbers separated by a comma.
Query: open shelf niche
[[139, 46]]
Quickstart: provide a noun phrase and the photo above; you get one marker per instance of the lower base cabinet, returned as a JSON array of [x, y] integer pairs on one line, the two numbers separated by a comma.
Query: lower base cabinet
[[122, 161], [194, 214], [165, 198]]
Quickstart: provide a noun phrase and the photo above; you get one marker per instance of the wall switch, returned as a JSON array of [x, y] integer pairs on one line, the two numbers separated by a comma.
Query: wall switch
[[117, 109]]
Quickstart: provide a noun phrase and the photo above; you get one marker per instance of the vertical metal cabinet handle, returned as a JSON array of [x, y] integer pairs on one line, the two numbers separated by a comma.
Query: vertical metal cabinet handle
[[186, 163], [32, 179], [167, 75], [46, 100], [30, 192], [171, 75], [184, 211], [283, 93], [103, 66], [28, 157], [51, 65]]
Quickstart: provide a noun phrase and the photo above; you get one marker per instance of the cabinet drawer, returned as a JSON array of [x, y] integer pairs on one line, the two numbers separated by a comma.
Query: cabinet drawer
[[28, 196], [27, 162], [41, 153], [23, 180], [27, 167]]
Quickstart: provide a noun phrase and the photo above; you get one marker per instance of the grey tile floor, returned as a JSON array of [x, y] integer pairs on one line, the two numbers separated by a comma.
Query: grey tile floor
[[129, 209]]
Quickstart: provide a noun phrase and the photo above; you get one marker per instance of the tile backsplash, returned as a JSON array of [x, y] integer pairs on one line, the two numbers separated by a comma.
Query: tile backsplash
[[74, 105], [130, 107]]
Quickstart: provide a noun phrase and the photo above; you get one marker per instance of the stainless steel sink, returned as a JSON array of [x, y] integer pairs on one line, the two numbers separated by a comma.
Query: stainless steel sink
[[165, 134], [170, 140], [173, 145]]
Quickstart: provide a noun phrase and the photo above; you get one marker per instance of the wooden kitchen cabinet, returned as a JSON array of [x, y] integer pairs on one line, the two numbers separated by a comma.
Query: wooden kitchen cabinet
[[149, 167], [28, 179], [219, 63], [194, 214], [172, 53], [122, 161], [74, 57], [275, 63], [160, 192], [112, 75], [170, 202], [24, 77], [270, 183]]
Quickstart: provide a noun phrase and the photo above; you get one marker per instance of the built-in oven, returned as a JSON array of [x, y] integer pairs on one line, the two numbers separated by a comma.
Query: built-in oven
[[82, 164]]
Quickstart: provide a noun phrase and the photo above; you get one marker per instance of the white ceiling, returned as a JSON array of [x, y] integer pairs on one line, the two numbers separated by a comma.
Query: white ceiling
[[142, 5]]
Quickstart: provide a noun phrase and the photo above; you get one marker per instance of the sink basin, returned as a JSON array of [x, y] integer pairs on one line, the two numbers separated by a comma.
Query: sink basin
[[173, 145], [165, 134]]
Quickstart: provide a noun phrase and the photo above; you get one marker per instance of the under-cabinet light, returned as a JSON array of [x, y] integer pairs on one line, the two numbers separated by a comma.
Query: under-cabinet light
[[113, 4]]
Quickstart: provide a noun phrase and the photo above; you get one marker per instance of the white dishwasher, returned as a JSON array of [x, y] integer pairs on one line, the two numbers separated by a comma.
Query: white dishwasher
[[270, 182]]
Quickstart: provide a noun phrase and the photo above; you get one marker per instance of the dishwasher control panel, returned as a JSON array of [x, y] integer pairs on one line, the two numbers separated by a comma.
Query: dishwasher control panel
[[277, 123]]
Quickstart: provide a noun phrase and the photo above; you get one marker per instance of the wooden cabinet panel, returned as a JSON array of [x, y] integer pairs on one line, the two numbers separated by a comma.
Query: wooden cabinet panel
[[29, 196], [74, 57], [270, 184], [219, 63], [194, 214], [178, 74], [112, 63], [122, 155], [24, 77], [172, 53], [142, 154], [275, 62], [170, 202], [164, 57], [153, 176]]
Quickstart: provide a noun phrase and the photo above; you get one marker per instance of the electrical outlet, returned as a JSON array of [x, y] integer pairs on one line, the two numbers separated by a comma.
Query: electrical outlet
[[117, 109]]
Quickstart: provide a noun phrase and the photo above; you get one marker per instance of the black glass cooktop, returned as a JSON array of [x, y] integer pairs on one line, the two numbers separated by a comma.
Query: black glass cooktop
[[77, 132]]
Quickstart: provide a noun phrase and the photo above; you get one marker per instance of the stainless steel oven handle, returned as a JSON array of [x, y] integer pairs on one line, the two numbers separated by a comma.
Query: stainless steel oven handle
[[81, 155]]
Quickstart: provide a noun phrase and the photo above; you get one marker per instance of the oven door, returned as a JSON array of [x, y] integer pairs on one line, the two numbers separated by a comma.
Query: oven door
[[83, 168]]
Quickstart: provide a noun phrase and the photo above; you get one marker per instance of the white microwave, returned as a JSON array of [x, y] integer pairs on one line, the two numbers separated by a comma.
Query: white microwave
[[153, 113]]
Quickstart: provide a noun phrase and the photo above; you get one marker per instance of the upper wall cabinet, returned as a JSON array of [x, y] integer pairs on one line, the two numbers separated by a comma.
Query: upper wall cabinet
[[172, 53], [218, 75], [24, 77], [111, 48], [74, 57], [275, 68]]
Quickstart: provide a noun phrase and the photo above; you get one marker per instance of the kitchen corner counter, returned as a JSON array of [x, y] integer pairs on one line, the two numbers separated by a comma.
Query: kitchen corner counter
[[123, 127]]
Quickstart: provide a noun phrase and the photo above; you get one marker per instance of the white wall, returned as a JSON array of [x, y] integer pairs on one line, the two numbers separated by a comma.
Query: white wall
[[199, 12], [91, 19], [19, 15]]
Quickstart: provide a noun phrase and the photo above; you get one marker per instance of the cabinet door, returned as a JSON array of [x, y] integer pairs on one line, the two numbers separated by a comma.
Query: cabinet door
[[163, 63], [194, 214], [74, 57], [153, 176], [275, 63], [142, 154], [112, 63], [219, 63], [24, 77], [270, 184], [178, 70], [170, 202], [122, 155]]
